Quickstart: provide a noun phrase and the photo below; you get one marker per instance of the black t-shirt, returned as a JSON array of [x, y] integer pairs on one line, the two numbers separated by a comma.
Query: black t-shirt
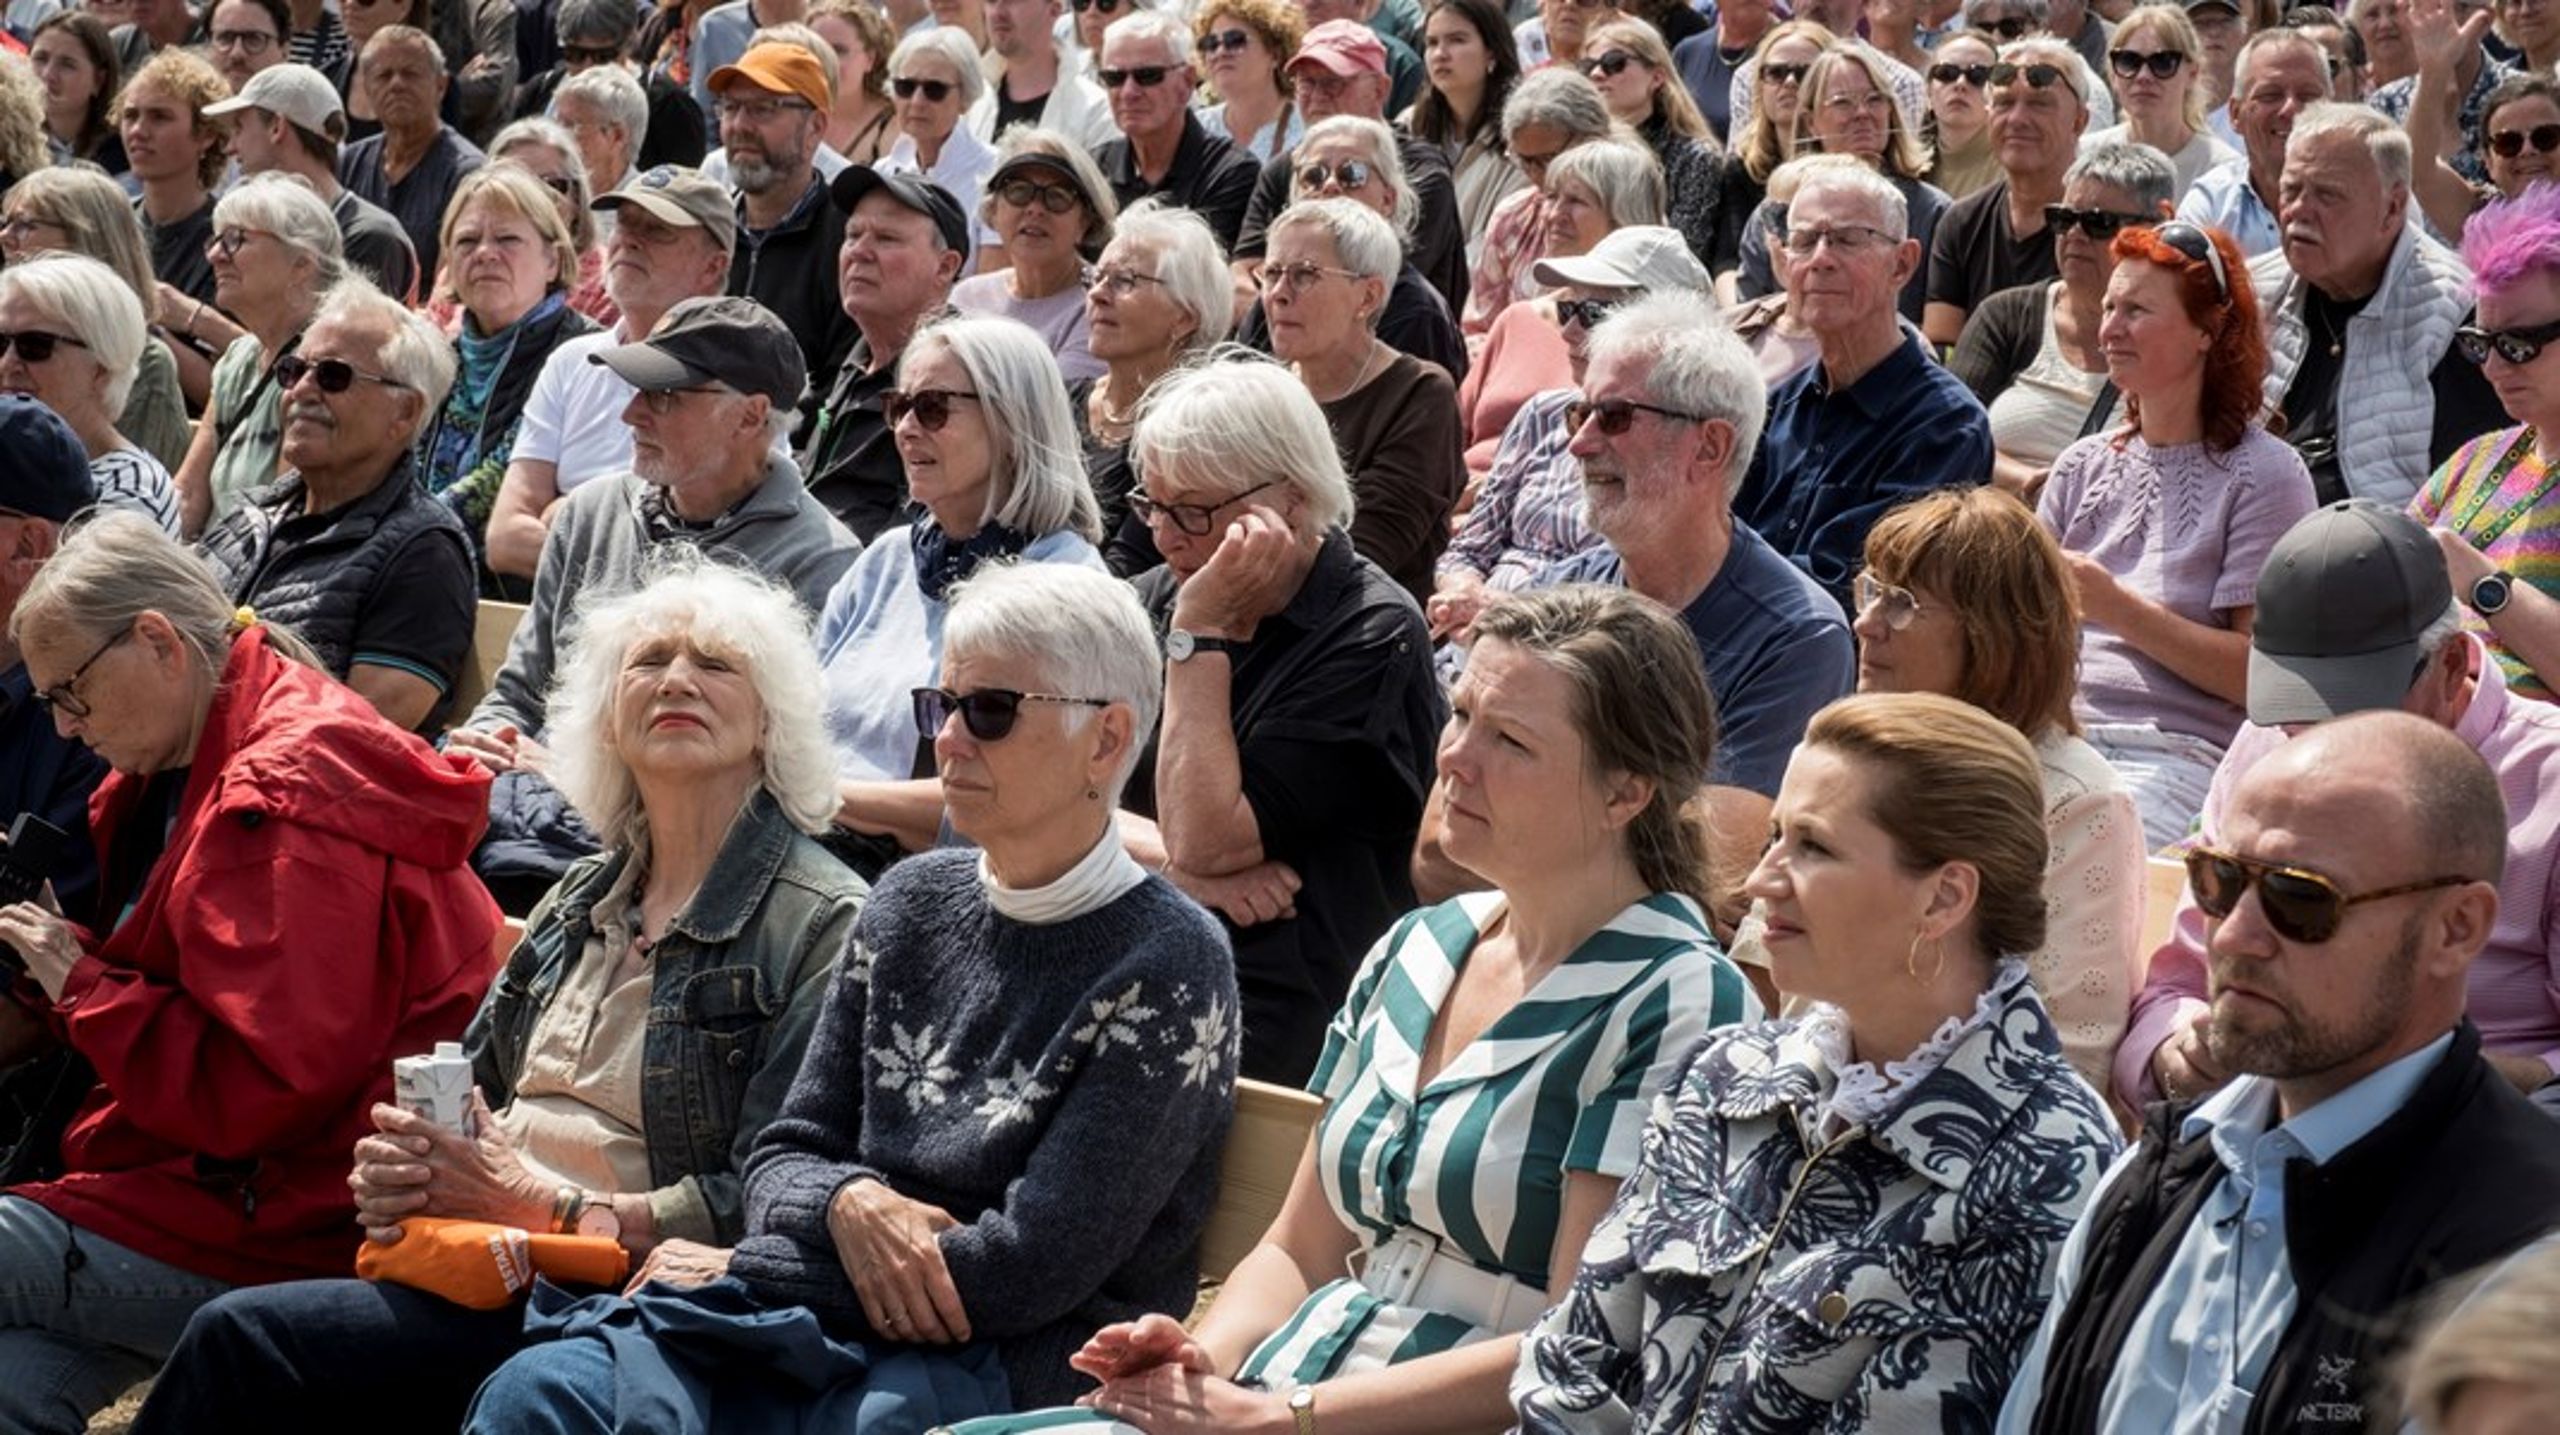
[[850, 462], [1416, 321], [1128, 545], [1974, 256], [2465, 406], [1211, 175], [177, 250], [1011, 112]]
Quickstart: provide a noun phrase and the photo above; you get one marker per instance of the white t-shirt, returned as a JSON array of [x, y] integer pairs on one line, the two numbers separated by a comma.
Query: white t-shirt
[[573, 417]]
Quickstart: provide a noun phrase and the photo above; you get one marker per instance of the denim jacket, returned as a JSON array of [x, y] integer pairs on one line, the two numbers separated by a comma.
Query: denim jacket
[[735, 988]]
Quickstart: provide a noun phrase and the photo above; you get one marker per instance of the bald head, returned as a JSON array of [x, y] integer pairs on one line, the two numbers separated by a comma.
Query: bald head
[[2445, 810]]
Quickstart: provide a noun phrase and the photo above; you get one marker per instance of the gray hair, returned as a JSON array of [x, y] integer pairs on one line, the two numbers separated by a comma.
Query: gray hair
[[1036, 483], [1101, 209], [2387, 143], [82, 296], [615, 20], [1153, 25], [95, 212], [1365, 243], [1556, 98], [116, 565], [1850, 173], [1083, 630], [415, 355], [1692, 362], [2028, 49], [1190, 265], [949, 44], [1976, 11], [1623, 174], [618, 94], [2242, 64], [1380, 142], [2445, 629], [2139, 170], [1234, 420], [555, 137], [728, 611], [286, 206], [391, 35]]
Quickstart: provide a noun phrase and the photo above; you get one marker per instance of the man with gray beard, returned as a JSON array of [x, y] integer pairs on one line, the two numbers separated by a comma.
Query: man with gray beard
[[772, 107]]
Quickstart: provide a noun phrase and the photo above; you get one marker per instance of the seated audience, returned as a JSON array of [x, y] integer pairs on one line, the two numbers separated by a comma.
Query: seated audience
[[75, 335], [1874, 420], [650, 122], [1005, 1136], [413, 167], [1245, 47], [1285, 784], [1550, 112], [1576, 810], [46, 484], [1471, 67], [2003, 236], [294, 912], [289, 120], [1052, 214], [2157, 63], [863, 123], [936, 77], [1903, 886], [1145, 68], [1848, 109], [1765, 137], [2167, 522], [2514, 112], [2487, 1364], [609, 1099], [1032, 80], [606, 110], [2279, 74], [2275, 1241], [84, 212], [1627, 60]]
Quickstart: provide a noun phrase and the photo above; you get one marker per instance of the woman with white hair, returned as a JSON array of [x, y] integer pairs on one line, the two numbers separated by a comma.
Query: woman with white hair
[[980, 419], [639, 1039], [74, 334], [1160, 294], [1006, 1132], [1324, 280], [1549, 112], [84, 212], [935, 77], [1051, 207], [1286, 783]]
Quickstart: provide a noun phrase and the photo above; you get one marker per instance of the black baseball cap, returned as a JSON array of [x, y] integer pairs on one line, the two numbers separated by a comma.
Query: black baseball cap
[[714, 339], [47, 475], [2342, 601], [912, 190]]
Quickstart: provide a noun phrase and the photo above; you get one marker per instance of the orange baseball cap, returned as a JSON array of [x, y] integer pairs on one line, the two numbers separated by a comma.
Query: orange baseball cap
[[783, 69]]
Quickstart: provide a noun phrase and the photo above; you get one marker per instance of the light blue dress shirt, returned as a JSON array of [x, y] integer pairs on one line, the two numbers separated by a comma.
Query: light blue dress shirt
[[2197, 1350], [2223, 198]]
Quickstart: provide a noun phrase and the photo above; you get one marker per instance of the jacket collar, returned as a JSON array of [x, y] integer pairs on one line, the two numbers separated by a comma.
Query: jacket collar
[[759, 839]]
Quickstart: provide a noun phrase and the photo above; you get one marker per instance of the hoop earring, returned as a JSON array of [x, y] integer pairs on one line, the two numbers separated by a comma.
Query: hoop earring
[[1938, 962]]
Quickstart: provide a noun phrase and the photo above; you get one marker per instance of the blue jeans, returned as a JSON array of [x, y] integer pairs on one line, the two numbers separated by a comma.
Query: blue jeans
[[81, 1318]]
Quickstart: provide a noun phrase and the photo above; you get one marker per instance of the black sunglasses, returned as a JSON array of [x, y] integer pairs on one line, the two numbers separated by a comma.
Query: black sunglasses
[[1225, 40], [2196, 245], [932, 407], [2301, 905], [934, 90], [1947, 72], [2510, 143], [2015, 27], [1105, 6], [2516, 346], [1613, 63], [1586, 312], [1778, 74], [2096, 223], [1191, 518], [2129, 63], [35, 345], [2038, 77], [1147, 76], [334, 376], [1024, 193], [988, 713], [1350, 174], [590, 54], [1614, 416]]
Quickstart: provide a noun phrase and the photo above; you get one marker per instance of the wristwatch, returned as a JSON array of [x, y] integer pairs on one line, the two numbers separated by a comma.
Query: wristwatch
[[1181, 645], [598, 1220], [2492, 592], [1302, 1409]]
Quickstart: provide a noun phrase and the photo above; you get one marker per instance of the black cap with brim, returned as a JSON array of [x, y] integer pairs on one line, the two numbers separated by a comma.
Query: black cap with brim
[[652, 370], [714, 339], [912, 190]]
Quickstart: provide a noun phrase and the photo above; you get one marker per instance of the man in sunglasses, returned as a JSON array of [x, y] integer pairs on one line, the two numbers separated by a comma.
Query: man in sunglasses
[[1997, 238], [2260, 1257], [1033, 82], [773, 107], [598, 34], [1163, 150]]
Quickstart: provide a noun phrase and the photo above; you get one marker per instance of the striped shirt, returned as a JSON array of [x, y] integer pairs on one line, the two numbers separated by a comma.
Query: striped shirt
[[2498, 487], [131, 479], [1528, 516]]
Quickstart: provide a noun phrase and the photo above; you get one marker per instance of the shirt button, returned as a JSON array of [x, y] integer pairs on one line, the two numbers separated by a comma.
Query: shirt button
[[2258, 1229]]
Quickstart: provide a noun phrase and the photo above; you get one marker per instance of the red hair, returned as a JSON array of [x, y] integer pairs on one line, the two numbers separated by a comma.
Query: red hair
[[2235, 368]]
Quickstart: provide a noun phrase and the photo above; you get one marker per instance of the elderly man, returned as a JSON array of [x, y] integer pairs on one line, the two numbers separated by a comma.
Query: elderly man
[[2354, 599], [1874, 420], [2360, 311], [347, 549], [2260, 1258], [595, 37], [1034, 82], [1146, 71], [43, 773], [1996, 238], [672, 233], [413, 167], [2278, 74], [2475, 74], [289, 119], [1403, 67], [773, 116], [714, 385], [905, 242]]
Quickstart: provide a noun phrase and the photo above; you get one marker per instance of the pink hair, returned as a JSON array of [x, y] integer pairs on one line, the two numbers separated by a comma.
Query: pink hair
[[2510, 239]]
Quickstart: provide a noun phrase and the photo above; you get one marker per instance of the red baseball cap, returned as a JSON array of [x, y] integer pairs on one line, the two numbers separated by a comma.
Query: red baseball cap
[[1342, 47]]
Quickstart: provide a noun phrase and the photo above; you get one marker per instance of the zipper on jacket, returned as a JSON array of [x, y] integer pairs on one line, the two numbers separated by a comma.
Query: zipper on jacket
[[1759, 1262]]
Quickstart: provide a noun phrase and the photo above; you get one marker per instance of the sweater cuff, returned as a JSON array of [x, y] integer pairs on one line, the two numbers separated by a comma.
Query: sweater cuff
[[678, 1212]]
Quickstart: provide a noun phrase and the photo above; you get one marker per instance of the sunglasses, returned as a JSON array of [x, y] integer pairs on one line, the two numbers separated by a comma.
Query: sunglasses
[[2015, 27], [34, 346], [2096, 223], [2510, 143], [1586, 312], [2197, 246], [932, 407], [1224, 41], [1615, 416], [1784, 74], [1147, 76], [1024, 193], [988, 713], [334, 376], [590, 54], [1191, 518], [934, 90], [1105, 6], [2302, 906], [62, 697], [1897, 604], [2516, 346], [1350, 174], [2129, 63], [1947, 73], [2038, 77], [1613, 63]]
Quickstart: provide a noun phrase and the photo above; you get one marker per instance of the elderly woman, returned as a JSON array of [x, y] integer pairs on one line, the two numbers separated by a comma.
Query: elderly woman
[[2158, 64], [1244, 48], [550, 154], [1053, 210], [509, 258], [1848, 108], [1286, 784], [1627, 60], [2031, 353], [1395, 418], [75, 333], [297, 911], [1005, 1135], [859, 124], [1902, 884], [936, 78], [980, 419], [1549, 112], [288, 253], [1159, 296], [1574, 806], [1469, 65], [2168, 520], [1959, 128], [2518, 114], [80, 211], [606, 112], [692, 743], [75, 62]]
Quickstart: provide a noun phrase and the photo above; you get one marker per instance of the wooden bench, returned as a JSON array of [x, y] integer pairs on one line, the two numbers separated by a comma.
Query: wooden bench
[[490, 635], [1270, 1133]]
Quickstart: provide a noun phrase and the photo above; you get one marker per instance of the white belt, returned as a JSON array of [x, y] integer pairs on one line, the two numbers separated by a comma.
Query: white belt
[[1416, 1270]]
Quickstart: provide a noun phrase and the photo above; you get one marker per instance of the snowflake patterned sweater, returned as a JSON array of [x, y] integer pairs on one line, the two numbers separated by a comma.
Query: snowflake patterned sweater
[[1063, 1090]]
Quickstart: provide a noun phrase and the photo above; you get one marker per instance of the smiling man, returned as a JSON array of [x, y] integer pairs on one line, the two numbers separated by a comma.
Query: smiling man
[[2279, 74]]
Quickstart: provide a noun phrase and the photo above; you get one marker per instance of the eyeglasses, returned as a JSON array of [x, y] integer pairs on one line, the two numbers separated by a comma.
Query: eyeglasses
[[2516, 346], [18, 226], [1897, 604], [764, 110], [2096, 223], [663, 401], [2196, 245], [1613, 63], [1276, 277], [334, 376], [1803, 242], [2129, 63], [2038, 77], [1147, 76], [1777, 74], [932, 407], [590, 54], [934, 91], [1586, 312], [247, 42], [226, 243], [1615, 416], [2015, 27], [2301, 905], [2510, 143], [35, 346], [1224, 41], [1024, 193], [1948, 73], [61, 697], [1191, 518], [1105, 6], [988, 713], [1120, 283], [1350, 174]]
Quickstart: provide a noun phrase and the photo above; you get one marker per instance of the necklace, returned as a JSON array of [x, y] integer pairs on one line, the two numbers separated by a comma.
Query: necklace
[[1107, 417], [1371, 362]]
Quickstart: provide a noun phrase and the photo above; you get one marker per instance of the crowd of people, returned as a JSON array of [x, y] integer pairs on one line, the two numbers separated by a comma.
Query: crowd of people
[[1628, 593]]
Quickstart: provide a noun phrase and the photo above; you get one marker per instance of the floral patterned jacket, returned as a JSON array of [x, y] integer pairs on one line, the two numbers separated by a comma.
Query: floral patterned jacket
[[1755, 1276]]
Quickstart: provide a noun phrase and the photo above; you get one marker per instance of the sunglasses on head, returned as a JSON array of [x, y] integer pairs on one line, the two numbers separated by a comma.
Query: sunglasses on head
[[1613, 63], [1778, 74], [1586, 312], [2516, 346], [1947, 73], [2510, 143], [2129, 63], [932, 407], [1223, 41], [1616, 416], [35, 346], [988, 713], [1024, 193], [1350, 174], [2038, 77], [934, 90], [2196, 245], [2099, 224], [334, 376], [2301, 905], [1147, 76]]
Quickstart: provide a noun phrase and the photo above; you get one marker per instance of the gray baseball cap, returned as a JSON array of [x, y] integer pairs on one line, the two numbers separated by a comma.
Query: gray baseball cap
[[679, 196], [714, 339], [2342, 600], [300, 93]]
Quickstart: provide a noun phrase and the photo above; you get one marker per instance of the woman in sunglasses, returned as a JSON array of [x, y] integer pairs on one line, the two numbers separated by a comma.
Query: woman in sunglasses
[[1244, 48], [74, 333], [935, 76], [980, 420], [1958, 130], [2031, 353], [1054, 211], [1848, 1220], [2519, 146], [1627, 60], [81, 211], [2157, 68], [2168, 520]]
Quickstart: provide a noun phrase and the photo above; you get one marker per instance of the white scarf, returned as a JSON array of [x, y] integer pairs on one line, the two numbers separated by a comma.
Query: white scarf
[[1104, 876]]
